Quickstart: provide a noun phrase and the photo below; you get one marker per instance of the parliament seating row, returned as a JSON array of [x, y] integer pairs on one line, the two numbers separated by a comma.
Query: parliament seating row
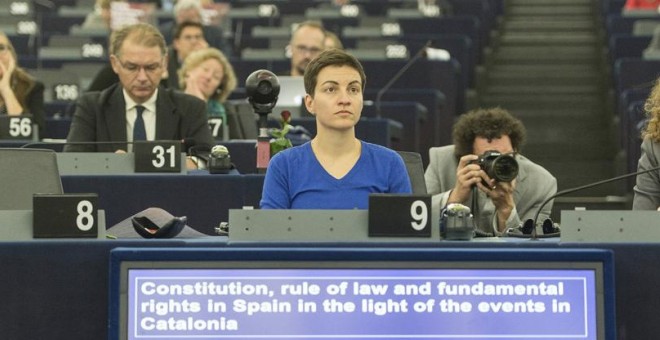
[[399, 125], [440, 92], [60, 22], [632, 76]]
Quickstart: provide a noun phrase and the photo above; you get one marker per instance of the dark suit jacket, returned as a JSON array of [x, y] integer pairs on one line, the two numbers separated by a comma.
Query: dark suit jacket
[[101, 117]]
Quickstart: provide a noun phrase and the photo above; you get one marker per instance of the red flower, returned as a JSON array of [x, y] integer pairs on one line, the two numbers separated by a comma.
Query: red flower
[[286, 116]]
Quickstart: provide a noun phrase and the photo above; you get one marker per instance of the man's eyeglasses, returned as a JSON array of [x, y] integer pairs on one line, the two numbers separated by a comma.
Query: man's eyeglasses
[[306, 49], [134, 68]]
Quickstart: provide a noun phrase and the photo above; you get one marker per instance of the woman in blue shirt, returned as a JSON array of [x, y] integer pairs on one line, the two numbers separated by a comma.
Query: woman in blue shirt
[[335, 170]]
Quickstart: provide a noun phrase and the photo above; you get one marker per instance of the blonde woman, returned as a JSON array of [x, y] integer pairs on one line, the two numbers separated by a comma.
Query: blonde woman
[[20, 93], [647, 188], [208, 75]]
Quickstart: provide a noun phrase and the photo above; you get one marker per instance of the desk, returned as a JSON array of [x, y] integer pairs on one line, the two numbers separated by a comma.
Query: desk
[[204, 199], [59, 289]]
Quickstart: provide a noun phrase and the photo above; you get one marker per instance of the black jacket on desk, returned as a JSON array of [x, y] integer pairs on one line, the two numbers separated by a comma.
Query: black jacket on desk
[[101, 117]]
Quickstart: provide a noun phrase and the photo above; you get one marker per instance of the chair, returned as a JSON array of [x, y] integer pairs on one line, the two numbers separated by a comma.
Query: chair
[[24, 173], [627, 46], [415, 169]]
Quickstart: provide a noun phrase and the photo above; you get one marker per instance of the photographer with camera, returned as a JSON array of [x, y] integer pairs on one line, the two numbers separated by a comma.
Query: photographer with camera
[[485, 160]]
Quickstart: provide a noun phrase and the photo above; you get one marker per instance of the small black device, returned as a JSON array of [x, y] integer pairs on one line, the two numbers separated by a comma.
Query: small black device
[[263, 89], [219, 160], [499, 166]]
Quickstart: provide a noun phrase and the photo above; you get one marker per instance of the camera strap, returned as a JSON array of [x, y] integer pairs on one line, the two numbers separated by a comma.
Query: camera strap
[[474, 204]]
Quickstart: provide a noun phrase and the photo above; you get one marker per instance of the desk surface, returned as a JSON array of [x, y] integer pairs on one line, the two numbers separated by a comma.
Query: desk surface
[[204, 199], [59, 289]]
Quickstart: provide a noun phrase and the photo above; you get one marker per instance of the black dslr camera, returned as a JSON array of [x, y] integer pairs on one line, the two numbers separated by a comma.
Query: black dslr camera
[[498, 166]]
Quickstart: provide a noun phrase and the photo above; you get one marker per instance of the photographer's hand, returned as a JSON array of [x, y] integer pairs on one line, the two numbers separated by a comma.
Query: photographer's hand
[[468, 174], [501, 194]]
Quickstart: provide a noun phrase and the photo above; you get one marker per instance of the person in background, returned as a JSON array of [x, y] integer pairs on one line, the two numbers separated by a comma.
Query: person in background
[[332, 41], [191, 11], [188, 37], [137, 108], [307, 41], [101, 17], [647, 186], [454, 170], [20, 93], [208, 75], [335, 170]]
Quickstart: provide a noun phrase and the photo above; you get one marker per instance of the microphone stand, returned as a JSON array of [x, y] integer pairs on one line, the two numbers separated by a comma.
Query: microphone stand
[[263, 140], [398, 75], [586, 186]]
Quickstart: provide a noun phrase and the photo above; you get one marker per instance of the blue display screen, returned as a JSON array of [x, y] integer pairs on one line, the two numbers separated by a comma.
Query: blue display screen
[[359, 303], [339, 299]]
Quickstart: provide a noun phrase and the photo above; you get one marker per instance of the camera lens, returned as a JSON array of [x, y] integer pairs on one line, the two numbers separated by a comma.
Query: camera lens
[[498, 166], [504, 168], [264, 87]]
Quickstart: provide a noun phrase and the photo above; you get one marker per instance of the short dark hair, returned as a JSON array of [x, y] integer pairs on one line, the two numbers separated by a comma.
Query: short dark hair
[[178, 29], [488, 123], [331, 57]]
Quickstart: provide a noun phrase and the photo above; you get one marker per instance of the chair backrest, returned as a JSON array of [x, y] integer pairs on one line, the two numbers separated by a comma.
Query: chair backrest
[[25, 172], [415, 169], [241, 119]]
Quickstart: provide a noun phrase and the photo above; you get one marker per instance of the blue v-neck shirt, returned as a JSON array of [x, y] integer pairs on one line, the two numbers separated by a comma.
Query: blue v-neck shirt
[[296, 180]]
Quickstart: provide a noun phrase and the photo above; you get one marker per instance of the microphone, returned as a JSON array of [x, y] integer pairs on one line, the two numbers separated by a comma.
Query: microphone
[[583, 187], [413, 60]]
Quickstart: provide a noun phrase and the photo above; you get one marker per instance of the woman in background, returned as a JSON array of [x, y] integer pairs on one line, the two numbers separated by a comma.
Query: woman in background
[[20, 93], [208, 75], [647, 187]]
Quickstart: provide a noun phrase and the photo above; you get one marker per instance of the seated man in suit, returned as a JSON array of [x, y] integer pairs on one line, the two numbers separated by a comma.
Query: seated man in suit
[[454, 170], [136, 108]]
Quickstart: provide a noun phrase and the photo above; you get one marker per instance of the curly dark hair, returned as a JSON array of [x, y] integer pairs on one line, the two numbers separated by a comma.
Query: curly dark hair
[[488, 123]]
